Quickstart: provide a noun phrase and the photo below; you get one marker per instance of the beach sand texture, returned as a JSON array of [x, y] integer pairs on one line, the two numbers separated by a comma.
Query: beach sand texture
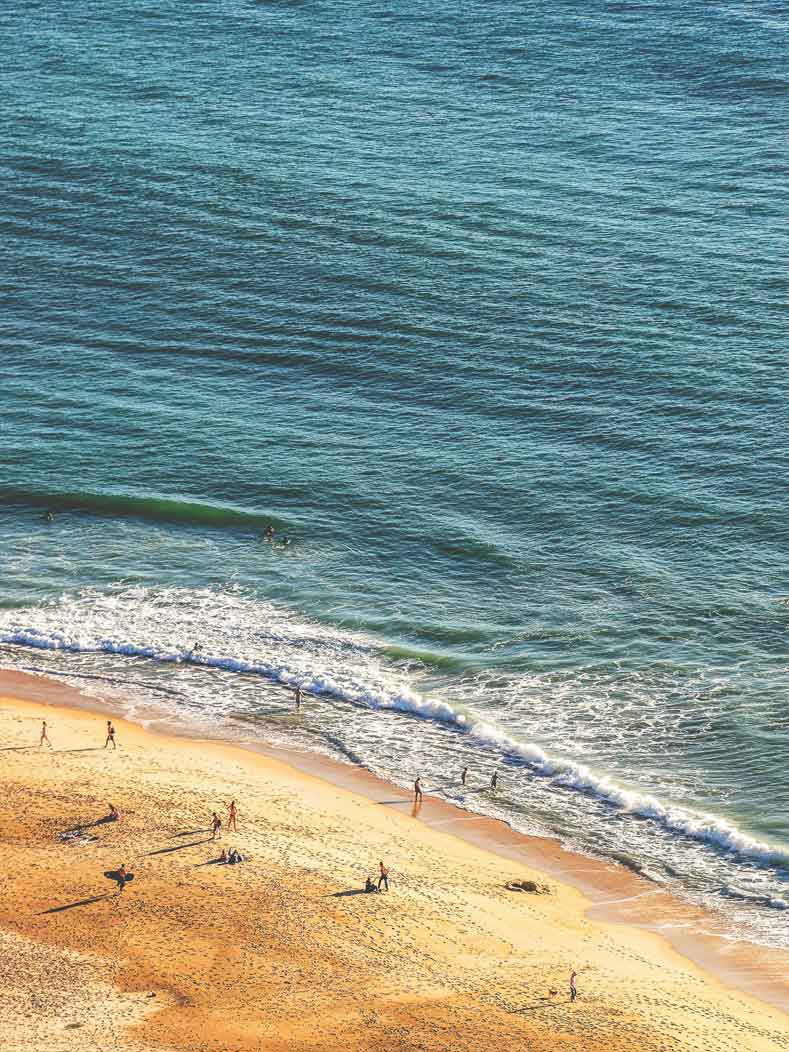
[[283, 951]]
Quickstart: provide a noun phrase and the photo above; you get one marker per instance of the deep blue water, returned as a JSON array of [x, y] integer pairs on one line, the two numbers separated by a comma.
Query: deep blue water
[[483, 307]]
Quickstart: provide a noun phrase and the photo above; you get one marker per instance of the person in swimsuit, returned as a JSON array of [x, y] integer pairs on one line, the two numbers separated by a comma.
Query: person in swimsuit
[[122, 878], [232, 814], [494, 781], [384, 877], [463, 776], [573, 991], [216, 825], [44, 737], [114, 815], [298, 698], [110, 735], [418, 790]]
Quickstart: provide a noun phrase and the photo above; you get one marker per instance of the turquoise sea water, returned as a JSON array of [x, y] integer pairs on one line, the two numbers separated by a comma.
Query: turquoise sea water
[[484, 307]]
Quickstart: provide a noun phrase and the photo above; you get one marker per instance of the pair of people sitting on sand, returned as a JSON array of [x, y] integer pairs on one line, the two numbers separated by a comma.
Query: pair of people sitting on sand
[[232, 857]]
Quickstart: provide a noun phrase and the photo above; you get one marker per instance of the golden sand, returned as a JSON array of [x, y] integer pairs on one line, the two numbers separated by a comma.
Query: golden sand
[[284, 951]]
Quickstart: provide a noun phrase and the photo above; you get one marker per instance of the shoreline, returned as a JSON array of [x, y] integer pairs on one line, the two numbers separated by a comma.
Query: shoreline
[[613, 893]]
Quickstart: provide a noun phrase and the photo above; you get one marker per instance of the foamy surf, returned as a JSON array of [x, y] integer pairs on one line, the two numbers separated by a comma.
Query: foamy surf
[[240, 634]]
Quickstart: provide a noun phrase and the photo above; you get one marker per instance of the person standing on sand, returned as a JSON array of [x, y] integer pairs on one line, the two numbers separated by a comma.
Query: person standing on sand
[[463, 776], [384, 877], [216, 825], [573, 991], [44, 737], [232, 814], [122, 877], [494, 781], [418, 790], [110, 735]]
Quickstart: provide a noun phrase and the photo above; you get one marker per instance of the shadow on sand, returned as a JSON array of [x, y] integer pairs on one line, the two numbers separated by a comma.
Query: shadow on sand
[[73, 905], [545, 1002], [179, 847]]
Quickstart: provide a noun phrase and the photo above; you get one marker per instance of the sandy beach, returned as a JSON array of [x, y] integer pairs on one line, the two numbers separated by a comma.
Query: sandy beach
[[285, 951]]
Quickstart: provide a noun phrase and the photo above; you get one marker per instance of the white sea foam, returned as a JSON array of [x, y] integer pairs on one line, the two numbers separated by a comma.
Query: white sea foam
[[245, 636]]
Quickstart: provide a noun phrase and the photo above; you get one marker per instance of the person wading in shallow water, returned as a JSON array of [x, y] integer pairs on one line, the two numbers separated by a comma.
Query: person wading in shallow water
[[418, 790], [494, 781], [463, 776]]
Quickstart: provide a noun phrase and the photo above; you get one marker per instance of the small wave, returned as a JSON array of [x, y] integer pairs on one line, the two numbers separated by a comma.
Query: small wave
[[424, 657], [157, 509], [732, 892]]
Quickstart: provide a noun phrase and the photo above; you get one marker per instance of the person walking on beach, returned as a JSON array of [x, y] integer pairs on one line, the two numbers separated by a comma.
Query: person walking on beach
[[384, 877], [122, 878], [44, 737], [110, 735], [418, 790], [494, 781], [232, 814], [463, 776], [216, 825], [298, 698], [573, 991]]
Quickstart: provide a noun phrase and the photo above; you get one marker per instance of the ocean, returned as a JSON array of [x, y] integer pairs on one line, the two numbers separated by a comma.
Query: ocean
[[483, 308]]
